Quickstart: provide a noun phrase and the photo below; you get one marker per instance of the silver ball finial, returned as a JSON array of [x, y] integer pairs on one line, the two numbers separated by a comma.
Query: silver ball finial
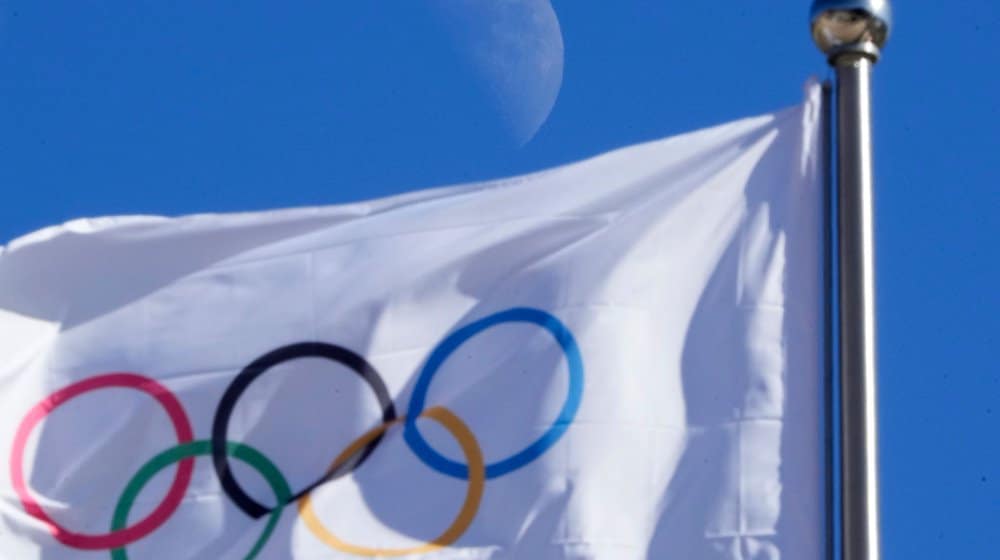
[[858, 26]]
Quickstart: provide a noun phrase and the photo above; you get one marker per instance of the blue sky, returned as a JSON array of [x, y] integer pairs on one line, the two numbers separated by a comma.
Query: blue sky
[[119, 107]]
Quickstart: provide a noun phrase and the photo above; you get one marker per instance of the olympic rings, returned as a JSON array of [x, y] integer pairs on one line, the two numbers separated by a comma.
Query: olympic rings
[[302, 350], [574, 361], [166, 458], [474, 494], [159, 515], [474, 470]]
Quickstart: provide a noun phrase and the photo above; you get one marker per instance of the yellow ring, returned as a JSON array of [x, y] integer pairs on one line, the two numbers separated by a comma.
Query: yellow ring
[[474, 494]]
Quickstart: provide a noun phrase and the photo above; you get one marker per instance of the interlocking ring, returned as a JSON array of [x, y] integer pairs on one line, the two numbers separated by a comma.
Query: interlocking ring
[[159, 515], [574, 361], [477, 479], [241, 451], [474, 470], [220, 425]]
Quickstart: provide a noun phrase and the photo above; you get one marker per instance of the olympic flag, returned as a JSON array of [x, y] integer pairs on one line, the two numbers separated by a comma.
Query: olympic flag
[[614, 359]]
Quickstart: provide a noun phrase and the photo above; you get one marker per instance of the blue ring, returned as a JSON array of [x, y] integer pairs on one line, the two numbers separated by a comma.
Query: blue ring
[[563, 336]]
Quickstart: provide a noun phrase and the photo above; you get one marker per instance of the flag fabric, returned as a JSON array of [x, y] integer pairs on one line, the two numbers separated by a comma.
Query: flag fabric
[[619, 358]]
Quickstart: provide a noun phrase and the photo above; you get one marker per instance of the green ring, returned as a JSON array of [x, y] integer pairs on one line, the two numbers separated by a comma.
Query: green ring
[[245, 453]]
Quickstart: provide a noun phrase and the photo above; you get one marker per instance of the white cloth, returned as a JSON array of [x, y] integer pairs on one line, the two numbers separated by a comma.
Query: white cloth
[[632, 341]]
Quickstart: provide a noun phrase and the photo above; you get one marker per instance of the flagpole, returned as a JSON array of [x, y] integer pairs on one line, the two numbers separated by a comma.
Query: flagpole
[[851, 33]]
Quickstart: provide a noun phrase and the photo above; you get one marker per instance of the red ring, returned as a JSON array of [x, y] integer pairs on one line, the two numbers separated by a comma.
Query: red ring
[[178, 487]]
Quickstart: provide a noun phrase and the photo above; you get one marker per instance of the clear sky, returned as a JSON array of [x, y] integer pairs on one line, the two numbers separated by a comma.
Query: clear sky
[[125, 107]]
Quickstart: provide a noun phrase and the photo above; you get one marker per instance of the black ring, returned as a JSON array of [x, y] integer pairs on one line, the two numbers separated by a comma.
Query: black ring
[[220, 425]]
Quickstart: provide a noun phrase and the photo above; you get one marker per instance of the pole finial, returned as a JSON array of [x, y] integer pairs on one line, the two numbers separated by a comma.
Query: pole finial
[[857, 27]]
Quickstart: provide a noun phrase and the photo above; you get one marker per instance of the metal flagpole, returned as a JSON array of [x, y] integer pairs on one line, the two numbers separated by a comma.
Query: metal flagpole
[[851, 33]]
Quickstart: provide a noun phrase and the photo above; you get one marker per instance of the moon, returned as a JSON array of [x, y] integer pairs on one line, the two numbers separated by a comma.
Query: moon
[[515, 49]]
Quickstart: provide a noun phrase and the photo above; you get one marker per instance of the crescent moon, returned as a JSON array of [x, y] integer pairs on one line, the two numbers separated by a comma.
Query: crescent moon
[[515, 48]]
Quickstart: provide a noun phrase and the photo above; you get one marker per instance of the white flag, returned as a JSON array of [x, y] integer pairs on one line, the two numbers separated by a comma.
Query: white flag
[[614, 359]]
